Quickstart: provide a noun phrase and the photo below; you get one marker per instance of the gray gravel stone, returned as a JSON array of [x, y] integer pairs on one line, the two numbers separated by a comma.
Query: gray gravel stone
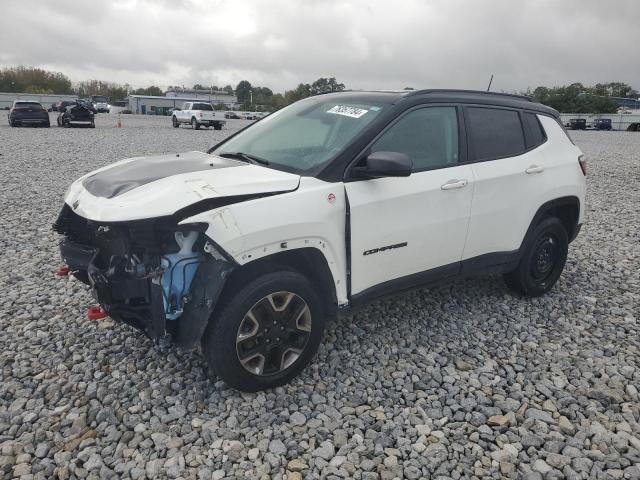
[[462, 380]]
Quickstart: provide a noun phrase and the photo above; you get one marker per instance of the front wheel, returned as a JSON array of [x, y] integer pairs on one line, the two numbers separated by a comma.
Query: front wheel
[[194, 124], [544, 255], [174, 122], [217, 126], [266, 333]]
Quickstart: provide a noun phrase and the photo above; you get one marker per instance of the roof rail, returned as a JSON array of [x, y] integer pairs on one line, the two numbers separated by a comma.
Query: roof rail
[[473, 92]]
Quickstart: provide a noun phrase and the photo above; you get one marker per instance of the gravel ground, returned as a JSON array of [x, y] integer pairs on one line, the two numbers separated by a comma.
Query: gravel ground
[[461, 381]]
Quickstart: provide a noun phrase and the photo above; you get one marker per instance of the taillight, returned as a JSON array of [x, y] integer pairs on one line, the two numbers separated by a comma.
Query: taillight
[[200, 114], [582, 160]]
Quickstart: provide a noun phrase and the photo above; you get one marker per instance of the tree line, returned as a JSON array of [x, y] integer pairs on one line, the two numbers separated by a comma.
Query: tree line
[[578, 98], [574, 98]]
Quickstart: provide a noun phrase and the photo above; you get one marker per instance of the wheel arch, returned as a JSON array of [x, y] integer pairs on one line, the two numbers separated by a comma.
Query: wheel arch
[[308, 261], [566, 209]]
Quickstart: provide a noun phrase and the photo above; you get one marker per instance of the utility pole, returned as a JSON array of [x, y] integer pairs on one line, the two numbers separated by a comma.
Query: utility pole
[[490, 82]]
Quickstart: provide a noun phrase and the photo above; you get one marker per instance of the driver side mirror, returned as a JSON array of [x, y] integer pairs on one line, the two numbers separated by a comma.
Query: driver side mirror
[[385, 164]]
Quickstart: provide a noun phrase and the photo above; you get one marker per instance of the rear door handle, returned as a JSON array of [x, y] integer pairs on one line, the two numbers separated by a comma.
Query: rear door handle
[[534, 169], [454, 184]]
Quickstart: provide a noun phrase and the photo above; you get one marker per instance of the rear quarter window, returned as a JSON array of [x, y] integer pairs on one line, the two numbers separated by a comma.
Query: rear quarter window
[[534, 132], [494, 133]]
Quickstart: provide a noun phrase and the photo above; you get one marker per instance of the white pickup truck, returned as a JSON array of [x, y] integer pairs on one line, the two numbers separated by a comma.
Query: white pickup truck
[[196, 114]]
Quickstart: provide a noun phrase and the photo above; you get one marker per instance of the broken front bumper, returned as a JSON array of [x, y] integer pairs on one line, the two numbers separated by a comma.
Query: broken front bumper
[[159, 290]]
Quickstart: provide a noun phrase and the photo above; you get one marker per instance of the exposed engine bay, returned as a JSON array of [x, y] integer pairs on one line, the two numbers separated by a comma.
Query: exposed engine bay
[[159, 277]]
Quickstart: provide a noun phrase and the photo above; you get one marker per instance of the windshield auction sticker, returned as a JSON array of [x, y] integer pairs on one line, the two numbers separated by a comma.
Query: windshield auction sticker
[[352, 112]]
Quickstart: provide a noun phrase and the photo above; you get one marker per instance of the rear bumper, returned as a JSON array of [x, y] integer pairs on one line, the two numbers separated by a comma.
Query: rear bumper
[[40, 119]]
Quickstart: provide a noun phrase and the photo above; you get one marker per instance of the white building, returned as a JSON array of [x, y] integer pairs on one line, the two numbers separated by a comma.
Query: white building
[[147, 104], [46, 99], [211, 96]]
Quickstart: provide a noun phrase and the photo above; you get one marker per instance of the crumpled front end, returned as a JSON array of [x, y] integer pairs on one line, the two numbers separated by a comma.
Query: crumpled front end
[[159, 277]]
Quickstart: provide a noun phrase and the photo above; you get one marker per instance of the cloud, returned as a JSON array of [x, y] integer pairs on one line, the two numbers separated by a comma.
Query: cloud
[[364, 43]]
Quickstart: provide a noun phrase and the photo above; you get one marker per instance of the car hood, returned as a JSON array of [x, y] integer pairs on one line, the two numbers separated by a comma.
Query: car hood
[[162, 185]]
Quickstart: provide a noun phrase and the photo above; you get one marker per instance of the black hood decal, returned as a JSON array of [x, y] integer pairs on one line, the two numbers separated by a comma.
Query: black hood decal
[[122, 178]]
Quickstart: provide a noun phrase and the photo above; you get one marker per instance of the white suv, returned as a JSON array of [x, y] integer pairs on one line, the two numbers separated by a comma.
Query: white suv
[[319, 207]]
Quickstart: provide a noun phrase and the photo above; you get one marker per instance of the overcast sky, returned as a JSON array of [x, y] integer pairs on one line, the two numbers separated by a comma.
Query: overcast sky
[[365, 44]]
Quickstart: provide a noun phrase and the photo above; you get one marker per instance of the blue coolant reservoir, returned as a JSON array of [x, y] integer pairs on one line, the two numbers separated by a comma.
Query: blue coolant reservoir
[[180, 268]]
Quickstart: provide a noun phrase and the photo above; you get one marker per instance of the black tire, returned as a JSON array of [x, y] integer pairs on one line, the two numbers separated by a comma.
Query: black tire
[[221, 345], [93, 124], [174, 122], [544, 255], [12, 123], [217, 126], [195, 124], [47, 124]]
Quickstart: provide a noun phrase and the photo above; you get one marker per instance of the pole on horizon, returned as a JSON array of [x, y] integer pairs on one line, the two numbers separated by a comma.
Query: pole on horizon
[[490, 82]]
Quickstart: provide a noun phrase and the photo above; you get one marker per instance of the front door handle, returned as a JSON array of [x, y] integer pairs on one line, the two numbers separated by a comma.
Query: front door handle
[[454, 184], [534, 169]]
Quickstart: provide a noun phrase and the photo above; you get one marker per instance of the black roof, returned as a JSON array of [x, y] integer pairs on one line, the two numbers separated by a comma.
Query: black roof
[[453, 96]]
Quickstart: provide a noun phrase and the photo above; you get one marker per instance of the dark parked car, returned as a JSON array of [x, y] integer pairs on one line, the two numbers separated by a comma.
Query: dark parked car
[[24, 113], [232, 115], [577, 124], [64, 103], [86, 103], [78, 114], [602, 124]]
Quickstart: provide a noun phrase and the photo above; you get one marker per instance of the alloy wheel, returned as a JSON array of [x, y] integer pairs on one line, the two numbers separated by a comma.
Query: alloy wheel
[[273, 333]]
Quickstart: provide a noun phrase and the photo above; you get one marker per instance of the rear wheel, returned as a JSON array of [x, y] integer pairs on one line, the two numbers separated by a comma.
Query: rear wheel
[[194, 124], [46, 124], [174, 122], [217, 126], [543, 259], [266, 333]]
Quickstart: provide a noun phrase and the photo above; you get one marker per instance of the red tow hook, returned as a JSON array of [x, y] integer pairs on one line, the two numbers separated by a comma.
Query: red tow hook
[[62, 271], [96, 313]]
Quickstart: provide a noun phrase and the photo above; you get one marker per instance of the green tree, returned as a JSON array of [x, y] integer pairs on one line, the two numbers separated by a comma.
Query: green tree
[[243, 91], [34, 80], [151, 91], [303, 90], [326, 85], [576, 98], [112, 91], [228, 89]]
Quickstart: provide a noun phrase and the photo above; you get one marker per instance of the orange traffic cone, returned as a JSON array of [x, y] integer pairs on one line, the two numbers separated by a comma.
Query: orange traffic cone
[[119, 124]]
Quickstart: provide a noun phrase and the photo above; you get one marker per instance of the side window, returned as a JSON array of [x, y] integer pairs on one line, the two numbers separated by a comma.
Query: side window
[[494, 133], [428, 136], [533, 130]]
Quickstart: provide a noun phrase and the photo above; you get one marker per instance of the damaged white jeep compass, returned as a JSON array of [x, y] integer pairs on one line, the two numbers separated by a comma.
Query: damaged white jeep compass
[[321, 206]]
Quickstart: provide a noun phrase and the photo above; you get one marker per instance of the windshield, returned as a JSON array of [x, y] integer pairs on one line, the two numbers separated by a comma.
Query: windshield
[[100, 99], [305, 135], [202, 106], [27, 105]]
